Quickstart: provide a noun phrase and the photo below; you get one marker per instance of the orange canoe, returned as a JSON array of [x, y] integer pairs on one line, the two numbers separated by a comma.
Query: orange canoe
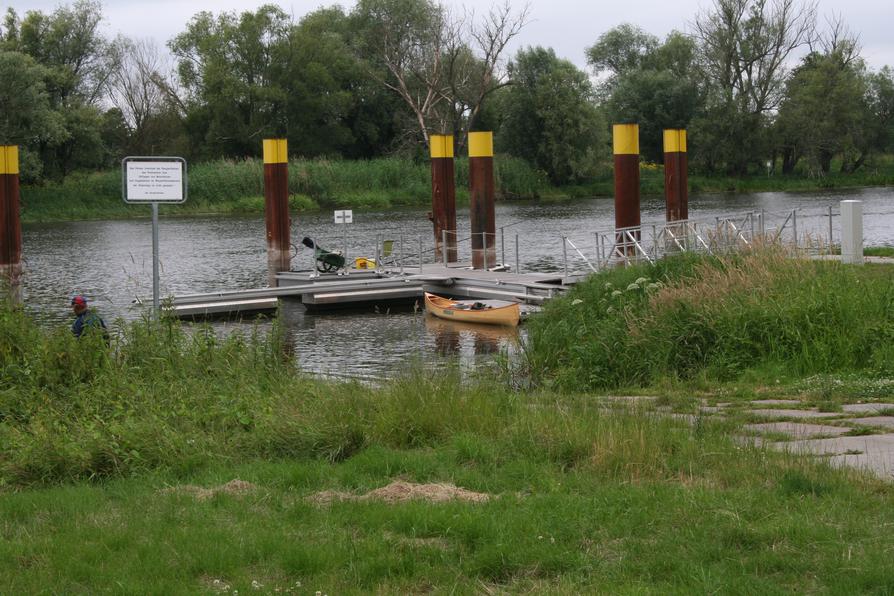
[[471, 311]]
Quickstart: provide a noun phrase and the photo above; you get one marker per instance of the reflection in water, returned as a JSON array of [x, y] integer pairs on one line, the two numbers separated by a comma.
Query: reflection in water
[[110, 262], [485, 339]]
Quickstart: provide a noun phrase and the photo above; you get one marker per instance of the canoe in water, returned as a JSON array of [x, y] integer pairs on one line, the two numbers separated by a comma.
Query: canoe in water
[[470, 311]]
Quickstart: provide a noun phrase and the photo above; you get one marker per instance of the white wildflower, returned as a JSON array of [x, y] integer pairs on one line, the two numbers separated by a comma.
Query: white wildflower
[[576, 301], [616, 293], [641, 280], [633, 286]]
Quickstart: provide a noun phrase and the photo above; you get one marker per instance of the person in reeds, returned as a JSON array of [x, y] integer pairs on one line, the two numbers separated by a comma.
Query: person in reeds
[[86, 320]]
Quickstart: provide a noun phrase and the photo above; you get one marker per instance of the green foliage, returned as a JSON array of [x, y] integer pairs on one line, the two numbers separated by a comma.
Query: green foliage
[[76, 61], [688, 317], [229, 186], [549, 118]]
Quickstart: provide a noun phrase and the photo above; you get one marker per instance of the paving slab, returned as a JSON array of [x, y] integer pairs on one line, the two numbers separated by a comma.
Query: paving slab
[[883, 421], [749, 441], [773, 413], [869, 408], [873, 453], [775, 402], [797, 430]]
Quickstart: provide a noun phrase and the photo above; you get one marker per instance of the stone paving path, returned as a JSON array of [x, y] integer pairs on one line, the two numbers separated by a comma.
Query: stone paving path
[[829, 439]]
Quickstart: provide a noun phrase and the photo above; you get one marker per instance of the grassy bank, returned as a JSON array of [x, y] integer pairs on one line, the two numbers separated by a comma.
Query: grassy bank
[[116, 470], [692, 319], [237, 187]]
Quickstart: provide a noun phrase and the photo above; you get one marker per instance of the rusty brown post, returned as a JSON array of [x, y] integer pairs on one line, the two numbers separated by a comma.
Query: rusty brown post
[[276, 206], [626, 153], [481, 206], [10, 222], [443, 196], [676, 181]]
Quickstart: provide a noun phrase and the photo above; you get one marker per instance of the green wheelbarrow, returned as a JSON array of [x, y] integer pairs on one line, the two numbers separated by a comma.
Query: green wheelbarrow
[[327, 261]]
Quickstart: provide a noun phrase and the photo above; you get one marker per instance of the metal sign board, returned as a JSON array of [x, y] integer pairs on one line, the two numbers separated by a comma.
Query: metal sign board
[[344, 217], [153, 179]]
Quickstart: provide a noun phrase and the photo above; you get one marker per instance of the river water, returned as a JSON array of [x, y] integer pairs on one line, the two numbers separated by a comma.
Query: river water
[[111, 263]]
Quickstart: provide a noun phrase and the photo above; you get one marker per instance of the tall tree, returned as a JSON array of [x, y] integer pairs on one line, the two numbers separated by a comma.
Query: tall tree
[[648, 82], [744, 48], [549, 116], [225, 66], [77, 62], [443, 68]]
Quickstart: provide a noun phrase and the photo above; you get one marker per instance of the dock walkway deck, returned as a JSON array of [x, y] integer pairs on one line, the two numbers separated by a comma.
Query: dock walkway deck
[[356, 288]]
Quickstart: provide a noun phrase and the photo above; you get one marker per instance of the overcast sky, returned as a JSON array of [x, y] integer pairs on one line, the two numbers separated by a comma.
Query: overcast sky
[[568, 26]]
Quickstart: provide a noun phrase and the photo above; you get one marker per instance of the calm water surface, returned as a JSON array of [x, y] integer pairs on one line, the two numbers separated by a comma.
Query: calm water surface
[[111, 263]]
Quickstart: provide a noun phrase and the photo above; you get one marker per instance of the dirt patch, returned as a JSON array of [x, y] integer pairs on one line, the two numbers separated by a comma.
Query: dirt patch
[[400, 492], [234, 487]]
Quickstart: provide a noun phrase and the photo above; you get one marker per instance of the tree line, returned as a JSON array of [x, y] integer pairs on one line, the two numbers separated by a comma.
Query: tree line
[[755, 82]]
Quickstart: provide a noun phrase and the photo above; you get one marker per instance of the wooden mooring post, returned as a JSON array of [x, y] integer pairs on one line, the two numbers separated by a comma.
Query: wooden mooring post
[[276, 206], [481, 204], [625, 142], [443, 197], [676, 178], [10, 222]]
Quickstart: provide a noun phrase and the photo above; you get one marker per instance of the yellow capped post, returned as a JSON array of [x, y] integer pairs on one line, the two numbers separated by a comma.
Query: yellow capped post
[[443, 197], [10, 222], [481, 200], [625, 139], [276, 206], [276, 151], [481, 144], [676, 177], [9, 159], [441, 146], [675, 140]]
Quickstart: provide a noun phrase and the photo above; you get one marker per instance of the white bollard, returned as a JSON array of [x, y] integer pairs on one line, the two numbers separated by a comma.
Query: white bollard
[[852, 232]]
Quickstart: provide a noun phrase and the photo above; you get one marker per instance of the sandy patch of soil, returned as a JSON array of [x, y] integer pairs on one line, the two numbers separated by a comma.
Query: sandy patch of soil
[[400, 492]]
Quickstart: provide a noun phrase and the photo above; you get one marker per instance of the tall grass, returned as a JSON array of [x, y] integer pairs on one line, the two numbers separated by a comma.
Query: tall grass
[[235, 186], [716, 318], [164, 399]]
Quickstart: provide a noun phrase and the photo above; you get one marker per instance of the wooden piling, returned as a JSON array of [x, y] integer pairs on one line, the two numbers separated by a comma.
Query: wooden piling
[[481, 206], [276, 206], [443, 197], [676, 180], [10, 221], [625, 139]]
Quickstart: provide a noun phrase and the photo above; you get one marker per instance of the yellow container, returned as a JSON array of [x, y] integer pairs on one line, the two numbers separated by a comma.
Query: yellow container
[[364, 263]]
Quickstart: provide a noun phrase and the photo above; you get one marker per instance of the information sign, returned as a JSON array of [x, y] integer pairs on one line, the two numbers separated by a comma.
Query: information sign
[[344, 217], [154, 180]]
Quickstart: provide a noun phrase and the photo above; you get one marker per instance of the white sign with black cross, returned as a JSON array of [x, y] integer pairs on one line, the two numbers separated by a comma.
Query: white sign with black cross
[[345, 216]]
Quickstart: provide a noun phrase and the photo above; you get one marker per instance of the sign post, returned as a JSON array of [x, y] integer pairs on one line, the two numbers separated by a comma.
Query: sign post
[[344, 217], [154, 180]]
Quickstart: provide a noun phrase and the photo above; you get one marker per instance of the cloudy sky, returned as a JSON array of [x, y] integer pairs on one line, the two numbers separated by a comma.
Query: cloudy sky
[[568, 26]]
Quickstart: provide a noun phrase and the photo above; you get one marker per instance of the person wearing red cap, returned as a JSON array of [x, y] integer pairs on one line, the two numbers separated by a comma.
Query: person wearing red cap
[[86, 319]]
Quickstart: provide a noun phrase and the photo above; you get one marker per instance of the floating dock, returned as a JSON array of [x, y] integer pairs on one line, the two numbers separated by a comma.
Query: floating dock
[[360, 288]]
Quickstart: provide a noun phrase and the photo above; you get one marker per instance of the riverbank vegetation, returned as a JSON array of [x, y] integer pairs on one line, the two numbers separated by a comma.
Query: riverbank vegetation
[[236, 187], [335, 87], [697, 320], [186, 462]]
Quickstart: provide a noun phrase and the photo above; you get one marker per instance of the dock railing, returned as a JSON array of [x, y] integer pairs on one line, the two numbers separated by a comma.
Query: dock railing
[[803, 231]]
